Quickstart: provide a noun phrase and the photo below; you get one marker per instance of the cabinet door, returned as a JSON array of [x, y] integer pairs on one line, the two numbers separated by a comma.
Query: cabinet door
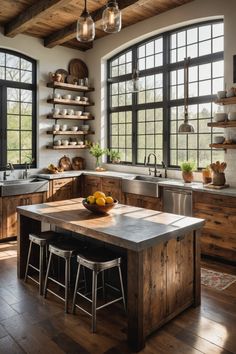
[[9, 215], [151, 203], [132, 199], [91, 184], [218, 238], [61, 189], [112, 186], [180, 272]]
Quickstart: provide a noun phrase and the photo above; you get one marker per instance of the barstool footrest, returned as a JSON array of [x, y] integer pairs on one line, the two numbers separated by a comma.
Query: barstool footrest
[[52, 292], [109, 303], [36, 281], [57, 282], [35, 268], [82, 309]]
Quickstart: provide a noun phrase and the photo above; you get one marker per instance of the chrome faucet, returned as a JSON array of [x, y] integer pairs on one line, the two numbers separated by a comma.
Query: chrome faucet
[[25, 172], [11, 168], [147, 162], [165, 168]]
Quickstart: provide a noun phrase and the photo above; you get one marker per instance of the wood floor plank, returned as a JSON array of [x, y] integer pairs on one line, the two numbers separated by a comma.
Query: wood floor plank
[[30, 324]]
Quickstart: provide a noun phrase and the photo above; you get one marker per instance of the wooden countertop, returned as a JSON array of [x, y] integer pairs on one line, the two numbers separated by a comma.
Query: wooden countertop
[[126, 226]]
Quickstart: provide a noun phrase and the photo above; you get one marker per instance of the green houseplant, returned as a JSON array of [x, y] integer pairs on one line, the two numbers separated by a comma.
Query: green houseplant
[[187, 168], [115, 156], [97, 151]]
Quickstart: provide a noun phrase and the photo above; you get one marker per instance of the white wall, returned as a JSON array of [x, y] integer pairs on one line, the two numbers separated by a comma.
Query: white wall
[[196, 11], [48, 60]]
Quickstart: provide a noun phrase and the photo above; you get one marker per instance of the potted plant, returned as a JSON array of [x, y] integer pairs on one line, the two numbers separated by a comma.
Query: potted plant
[[115, 156], [97, 151], [187, 168]]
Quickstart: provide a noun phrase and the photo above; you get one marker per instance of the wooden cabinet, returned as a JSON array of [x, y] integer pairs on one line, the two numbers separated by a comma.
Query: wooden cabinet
[[62, 188], [112, 186], [218, 237], [142, 201], [9, 213], [108, 185]]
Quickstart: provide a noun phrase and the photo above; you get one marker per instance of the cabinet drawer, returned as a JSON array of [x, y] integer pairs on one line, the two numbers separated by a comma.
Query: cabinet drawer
[[58, 183], [111, 182], [92, 181]]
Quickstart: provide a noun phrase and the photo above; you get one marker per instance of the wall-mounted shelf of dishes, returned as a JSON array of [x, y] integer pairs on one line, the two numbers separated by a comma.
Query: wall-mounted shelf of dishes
[[69, 87], [225, 101], [54, 147], [69, 132], [70, 102], [70, 117]]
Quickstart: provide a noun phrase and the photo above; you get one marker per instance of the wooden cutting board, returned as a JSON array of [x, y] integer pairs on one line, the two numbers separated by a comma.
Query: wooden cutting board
[[212, 186]]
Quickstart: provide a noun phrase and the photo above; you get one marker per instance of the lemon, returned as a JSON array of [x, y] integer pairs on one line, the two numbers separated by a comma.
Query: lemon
[[99, 194], [91, 199], [109, 200], [100, 201]]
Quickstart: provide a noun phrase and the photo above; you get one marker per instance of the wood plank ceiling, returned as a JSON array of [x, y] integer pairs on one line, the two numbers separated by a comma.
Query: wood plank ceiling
[[55, 20]]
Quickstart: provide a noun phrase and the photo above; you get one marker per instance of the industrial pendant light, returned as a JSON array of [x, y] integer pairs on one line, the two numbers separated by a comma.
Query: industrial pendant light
[[186, 127], [111, 17], [85, 26]]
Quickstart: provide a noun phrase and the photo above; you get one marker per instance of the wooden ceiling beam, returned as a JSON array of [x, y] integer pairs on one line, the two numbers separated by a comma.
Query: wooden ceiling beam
[[31, 15], [69, 32]]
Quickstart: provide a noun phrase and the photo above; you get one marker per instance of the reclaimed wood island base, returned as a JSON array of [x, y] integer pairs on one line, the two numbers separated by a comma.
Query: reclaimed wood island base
[[163, 256]]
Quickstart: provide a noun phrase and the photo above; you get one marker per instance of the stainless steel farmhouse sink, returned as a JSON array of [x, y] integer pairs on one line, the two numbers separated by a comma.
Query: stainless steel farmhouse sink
[[23, 186], [142, 185]]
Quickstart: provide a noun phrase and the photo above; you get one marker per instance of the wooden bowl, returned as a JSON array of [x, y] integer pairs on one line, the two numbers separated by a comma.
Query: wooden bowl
[[99, 209]]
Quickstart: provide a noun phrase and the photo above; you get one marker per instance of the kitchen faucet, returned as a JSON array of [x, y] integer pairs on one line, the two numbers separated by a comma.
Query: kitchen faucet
[[25, 172], [147, 162], [165, 168], [11, 168]]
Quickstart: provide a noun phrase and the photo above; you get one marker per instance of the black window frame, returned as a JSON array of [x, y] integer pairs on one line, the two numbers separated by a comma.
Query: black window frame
[[4, 85], [166, 104]]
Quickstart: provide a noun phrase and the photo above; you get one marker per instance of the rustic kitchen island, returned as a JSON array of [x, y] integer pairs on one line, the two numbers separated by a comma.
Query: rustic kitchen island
[[163, 256]]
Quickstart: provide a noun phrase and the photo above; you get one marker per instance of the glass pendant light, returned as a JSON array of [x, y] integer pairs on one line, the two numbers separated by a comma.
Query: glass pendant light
[[85, 26], [186, 127], [111, 17]]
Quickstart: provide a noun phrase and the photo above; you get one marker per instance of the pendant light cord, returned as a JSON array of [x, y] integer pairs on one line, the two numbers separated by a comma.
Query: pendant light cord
[[186, 91]]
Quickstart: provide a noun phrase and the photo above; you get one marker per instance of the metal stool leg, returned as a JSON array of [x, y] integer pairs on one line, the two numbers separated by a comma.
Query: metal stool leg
[[103, 286], [122, 287], [47, 273], [41, 262], [67, 280], [28, 259], [76, 288], [94, 301]]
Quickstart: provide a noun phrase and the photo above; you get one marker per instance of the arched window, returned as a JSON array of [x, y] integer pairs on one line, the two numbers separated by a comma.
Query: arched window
[[18, 109], [147, 121]]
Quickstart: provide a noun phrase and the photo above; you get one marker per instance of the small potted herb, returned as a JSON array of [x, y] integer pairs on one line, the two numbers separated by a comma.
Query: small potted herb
[[115, 156], [187, 168], [97, 151]]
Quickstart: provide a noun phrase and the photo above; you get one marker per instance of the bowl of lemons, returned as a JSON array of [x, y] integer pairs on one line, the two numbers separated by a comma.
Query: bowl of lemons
[[99, 203]]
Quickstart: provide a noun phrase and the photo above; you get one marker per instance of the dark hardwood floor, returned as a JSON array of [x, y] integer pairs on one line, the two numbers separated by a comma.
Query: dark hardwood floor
[[30, 324]]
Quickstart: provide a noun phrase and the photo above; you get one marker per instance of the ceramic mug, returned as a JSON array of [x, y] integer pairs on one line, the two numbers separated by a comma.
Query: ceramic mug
[[64, 111], [56, 111], [57, 95], [64, 127], [56, 127], [65, 142], [70, 112]]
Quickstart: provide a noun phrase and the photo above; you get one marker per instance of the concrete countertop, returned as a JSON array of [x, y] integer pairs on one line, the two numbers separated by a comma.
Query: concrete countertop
[[194, 186]]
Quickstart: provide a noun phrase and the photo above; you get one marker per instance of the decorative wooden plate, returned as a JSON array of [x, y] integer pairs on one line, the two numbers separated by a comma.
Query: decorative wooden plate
[[78, 163], [65, 163], [63, 73], [78, 68]]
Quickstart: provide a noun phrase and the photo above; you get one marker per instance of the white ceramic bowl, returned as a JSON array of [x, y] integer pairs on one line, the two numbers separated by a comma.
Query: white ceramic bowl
[[57, 142], [84, 127], [78, 113], [67, 97], [220, 117], [77, 98], [72, 143], [74, 128], [221, 94], [86, 114], [219, 139], [85, 99], [80, 143], [65, 142], [232, 116]]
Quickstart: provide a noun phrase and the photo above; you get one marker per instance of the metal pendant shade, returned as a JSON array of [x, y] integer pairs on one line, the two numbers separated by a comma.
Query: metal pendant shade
[[85, 26], [186, 127], [111, 18]]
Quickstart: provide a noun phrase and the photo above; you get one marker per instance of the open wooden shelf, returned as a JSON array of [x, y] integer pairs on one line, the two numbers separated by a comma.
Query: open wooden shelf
[[69, 87], [225, 124], [68, 132], [73, 117], [69, 102], [224, 101], [66, 147], [223, 146]]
